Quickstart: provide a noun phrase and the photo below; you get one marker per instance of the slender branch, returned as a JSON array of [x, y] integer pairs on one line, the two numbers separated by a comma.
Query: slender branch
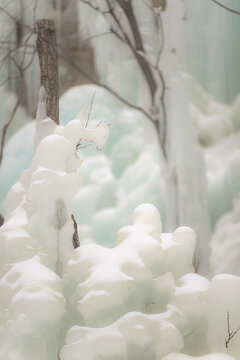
[[96, 8], [34, 12], [10, 78], [157, 116], [14, 43], [95, 36], [128, 11], [89, 113], [226, 8], [75, 239], [21, 68], [82, 147], [125, 36], [106, 87], [196, 259], [14, 19], [157, 15], [17, 51], [231, 334], [127, 8], [31, 61]]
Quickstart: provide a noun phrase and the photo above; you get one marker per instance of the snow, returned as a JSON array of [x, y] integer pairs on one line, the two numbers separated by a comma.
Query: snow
[[225, 242], [206, 357], [133, 336], [130, 290], [36, 240], [110, 192], [149, 272], [139, 299], [223, 163]]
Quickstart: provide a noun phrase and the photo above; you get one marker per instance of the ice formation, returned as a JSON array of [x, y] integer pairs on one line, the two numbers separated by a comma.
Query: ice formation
[[225, 255], [181, 171], [141, 300], [137, 300], [127, 173], [36, 240]]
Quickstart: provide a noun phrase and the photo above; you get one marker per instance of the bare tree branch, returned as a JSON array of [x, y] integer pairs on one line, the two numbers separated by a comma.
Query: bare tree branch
[[14, 19], [89, 113], [21, 66], [153, 75], [106, 87], [14, 43], [231, 334], [196, 259], [95, 36], [75, 239], [128, 11], [226, 8], [96, 8]]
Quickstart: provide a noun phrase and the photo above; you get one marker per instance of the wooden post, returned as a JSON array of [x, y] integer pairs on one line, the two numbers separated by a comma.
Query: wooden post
[[48, 60], [1, 220]]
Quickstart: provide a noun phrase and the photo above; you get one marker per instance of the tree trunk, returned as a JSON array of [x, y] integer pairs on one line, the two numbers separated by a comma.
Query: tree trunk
[[48, 60]]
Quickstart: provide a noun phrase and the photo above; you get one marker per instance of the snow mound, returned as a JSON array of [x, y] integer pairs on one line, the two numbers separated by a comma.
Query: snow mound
[[149, 272], [37, 240], [206, 357], [134, 336]]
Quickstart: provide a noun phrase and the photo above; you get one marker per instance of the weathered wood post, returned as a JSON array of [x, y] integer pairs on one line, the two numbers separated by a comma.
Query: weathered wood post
[[48, 60]]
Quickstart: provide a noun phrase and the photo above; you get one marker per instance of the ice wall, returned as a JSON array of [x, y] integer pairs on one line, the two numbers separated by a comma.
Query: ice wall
[[212, 47], [127, 173], [189, 181], [225, 254]]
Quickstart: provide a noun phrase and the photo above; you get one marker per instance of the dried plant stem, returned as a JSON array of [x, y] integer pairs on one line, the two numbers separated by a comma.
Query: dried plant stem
[[231, 334]]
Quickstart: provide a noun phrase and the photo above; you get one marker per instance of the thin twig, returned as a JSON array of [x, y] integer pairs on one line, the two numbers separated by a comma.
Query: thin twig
[[82, 42], [231, 334], [17, 51], [14, 43], [157, 116], [210, 270], [129, 13], [21, 68], [82, 147], [10, 78], [30, 62], [196, 259], [90, 4], [226, 8], [34, 12], [75, 239], [89, 113], [14, 18]]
